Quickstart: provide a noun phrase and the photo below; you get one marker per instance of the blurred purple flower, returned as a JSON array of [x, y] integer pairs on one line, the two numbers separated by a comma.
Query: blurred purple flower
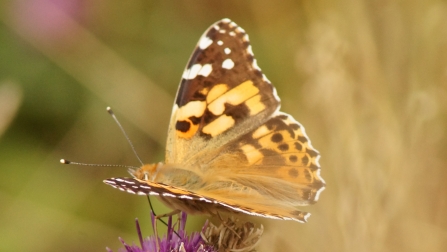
[[47, 20]]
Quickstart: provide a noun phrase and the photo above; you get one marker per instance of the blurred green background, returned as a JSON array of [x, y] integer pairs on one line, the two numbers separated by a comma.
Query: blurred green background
[[368, 80]]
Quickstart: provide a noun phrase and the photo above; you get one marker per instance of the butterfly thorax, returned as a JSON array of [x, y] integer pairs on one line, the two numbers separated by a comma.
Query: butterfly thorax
[[168, 174]]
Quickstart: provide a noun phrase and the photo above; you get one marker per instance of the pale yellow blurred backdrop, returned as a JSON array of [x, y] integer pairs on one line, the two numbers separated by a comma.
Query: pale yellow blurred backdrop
[[368, 80]]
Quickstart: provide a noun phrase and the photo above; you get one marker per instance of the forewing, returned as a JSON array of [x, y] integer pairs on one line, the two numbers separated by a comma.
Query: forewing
[[222, 95]]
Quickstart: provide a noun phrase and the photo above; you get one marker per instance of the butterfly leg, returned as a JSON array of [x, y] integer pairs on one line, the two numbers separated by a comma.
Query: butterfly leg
[[168, 214], [155, 230], [154, 223]]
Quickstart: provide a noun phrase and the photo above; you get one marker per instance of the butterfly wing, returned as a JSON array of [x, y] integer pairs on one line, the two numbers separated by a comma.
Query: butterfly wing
[[226, 130], [222, 95], [272, 169], [228, 145]]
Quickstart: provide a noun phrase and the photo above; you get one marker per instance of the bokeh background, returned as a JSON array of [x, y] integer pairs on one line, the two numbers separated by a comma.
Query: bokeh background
[[368, 80]]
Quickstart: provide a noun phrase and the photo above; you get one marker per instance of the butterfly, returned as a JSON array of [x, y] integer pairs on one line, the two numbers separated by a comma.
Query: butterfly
[[229, 148]]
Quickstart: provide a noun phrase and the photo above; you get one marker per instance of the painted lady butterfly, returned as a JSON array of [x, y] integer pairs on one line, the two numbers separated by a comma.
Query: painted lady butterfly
[[229, 147]]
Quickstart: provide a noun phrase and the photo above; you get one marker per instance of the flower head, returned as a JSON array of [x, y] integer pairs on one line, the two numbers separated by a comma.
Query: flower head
[[173, 241], [231, 235], [228, 236]]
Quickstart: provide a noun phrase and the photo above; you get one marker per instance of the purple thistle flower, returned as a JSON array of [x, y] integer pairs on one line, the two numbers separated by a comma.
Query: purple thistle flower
[[228, 236], [174, 241]]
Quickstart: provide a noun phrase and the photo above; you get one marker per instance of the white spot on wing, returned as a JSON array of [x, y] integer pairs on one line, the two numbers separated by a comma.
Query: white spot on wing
[[232, 33], [191, 73], [317, 159], [227, 50], [255, 65], [275, 94], [249, 50], [239, 29], [305, 217], [206, 200], [228, 64], [220, 42], [205, 42], [110, 182], [265, 78], [317, 194], [240, 210], [130, 191], [205, 70]]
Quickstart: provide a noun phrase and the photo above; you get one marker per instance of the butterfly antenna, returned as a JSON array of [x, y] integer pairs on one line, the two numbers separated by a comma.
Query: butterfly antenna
[[109, 110], [65, 161]]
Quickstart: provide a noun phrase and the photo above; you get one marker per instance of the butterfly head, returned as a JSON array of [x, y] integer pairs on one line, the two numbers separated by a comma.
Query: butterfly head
[[146, 172]]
